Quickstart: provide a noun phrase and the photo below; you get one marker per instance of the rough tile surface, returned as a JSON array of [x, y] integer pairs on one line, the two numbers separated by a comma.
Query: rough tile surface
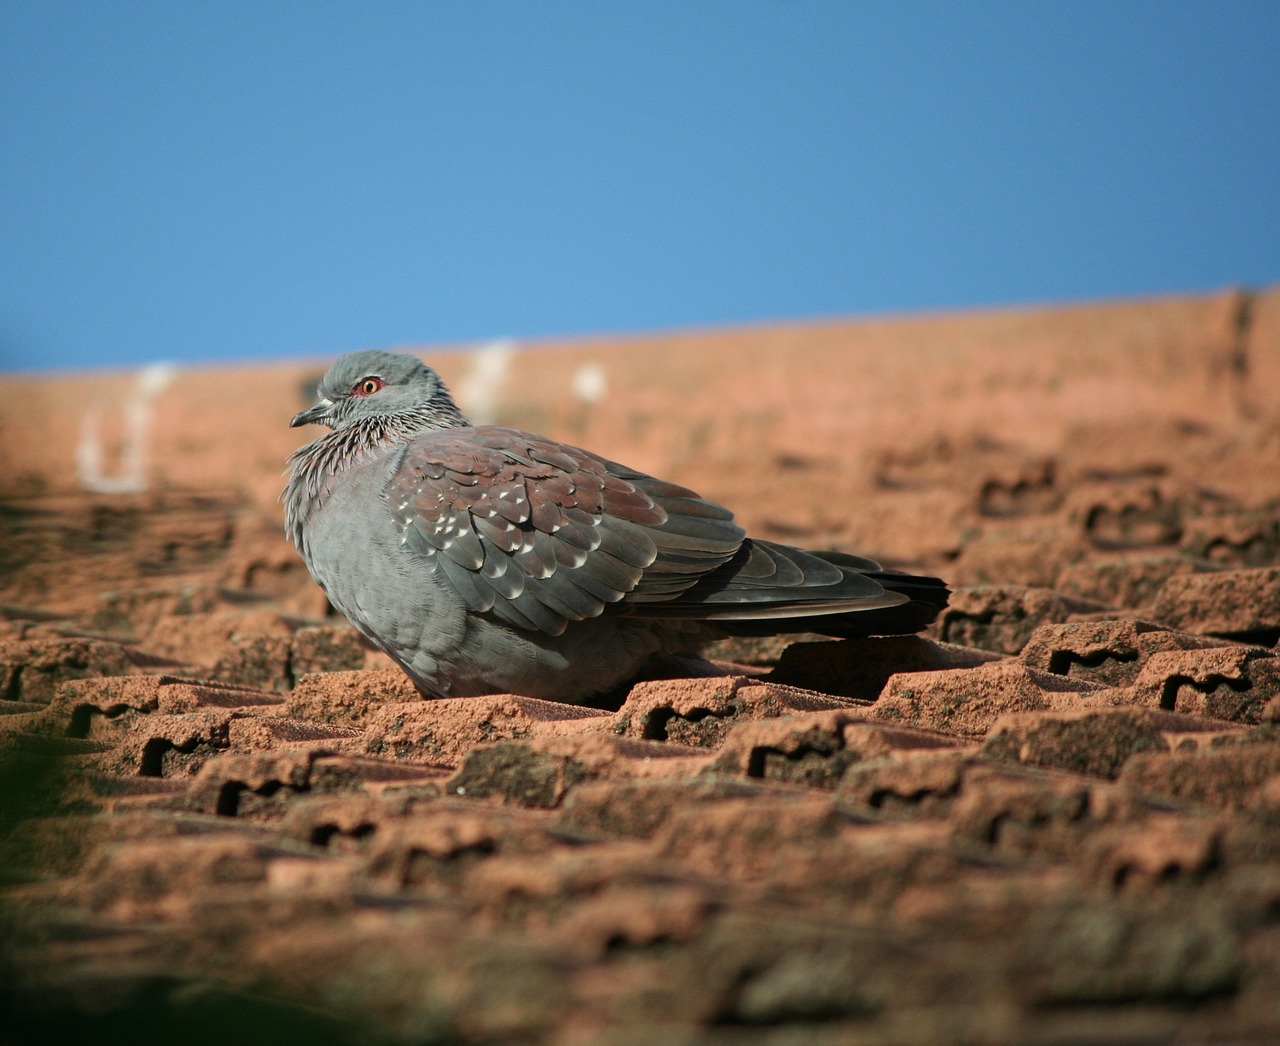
[[1053, 819]]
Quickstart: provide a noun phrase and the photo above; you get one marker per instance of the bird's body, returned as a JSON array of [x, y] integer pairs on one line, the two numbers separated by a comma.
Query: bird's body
[[486, 560]]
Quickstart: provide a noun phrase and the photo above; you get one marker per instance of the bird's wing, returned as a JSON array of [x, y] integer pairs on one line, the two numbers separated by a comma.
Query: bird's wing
[[540, 533], [765, 581]]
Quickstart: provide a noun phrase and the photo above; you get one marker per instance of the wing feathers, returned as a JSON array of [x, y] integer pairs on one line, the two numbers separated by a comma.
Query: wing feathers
[[539, 534]]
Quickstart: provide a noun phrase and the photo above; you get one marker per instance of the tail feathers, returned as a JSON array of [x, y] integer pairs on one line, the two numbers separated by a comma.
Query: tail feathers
[[769, 588], [926, 599]]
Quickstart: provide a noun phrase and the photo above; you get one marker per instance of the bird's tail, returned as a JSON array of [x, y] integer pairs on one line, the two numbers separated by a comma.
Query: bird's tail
[[769, 588]]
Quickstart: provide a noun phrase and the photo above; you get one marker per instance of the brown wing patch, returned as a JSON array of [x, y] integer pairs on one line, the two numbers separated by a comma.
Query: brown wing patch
[[540, 533]]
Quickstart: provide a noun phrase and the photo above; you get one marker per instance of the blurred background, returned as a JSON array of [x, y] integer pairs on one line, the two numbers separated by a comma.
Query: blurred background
[[203, 182]]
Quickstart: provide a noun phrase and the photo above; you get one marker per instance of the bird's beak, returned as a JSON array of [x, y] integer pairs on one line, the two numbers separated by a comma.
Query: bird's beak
[[318, 413]]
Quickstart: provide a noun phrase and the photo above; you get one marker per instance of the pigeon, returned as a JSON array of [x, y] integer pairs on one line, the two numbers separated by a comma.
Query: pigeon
[[487, 560]]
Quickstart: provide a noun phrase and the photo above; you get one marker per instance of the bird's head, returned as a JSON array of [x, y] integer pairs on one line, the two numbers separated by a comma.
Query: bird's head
[[372, 386]]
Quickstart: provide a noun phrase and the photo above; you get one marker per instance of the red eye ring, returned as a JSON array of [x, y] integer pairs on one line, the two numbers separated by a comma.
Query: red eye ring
[[367, 386]]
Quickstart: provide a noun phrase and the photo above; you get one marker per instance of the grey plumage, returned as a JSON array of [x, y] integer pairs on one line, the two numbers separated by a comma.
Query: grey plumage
[[484, 559]]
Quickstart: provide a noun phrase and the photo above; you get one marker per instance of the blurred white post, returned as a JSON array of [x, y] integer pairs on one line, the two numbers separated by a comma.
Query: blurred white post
[[132, 477], [480, 391]]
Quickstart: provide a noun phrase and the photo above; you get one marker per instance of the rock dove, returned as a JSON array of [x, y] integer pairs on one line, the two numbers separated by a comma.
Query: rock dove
[[488, 560]]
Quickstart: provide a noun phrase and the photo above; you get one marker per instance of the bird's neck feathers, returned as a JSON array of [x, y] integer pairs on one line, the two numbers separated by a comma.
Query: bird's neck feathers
[[313, 465]]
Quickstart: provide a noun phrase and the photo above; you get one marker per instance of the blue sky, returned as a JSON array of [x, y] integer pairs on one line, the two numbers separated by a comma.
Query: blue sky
[[239, 180]]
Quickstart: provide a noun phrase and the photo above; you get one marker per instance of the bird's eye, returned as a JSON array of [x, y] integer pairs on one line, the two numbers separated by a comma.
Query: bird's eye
[[367, 387]]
